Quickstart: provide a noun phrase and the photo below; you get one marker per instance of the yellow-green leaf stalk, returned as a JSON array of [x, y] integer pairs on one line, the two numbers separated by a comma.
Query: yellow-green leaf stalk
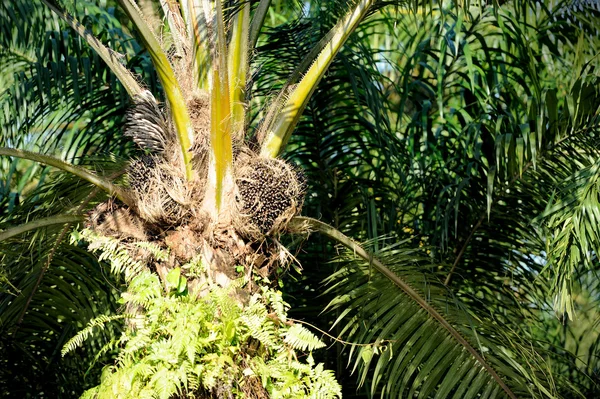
[[279, 129], [238, 69], [220, 173], [220, 138], [177, 104], [200, 47]]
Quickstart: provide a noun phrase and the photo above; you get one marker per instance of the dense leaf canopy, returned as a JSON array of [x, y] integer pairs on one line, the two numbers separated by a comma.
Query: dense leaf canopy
[[458, 142]]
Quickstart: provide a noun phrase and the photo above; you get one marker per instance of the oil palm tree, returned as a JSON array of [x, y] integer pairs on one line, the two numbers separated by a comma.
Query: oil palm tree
[[468, 123]]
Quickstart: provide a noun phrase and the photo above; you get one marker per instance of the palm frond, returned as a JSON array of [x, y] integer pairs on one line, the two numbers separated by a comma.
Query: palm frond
[[60, 101], [415, 339], [107, 55], [36, 224], [72, 291], [285, 112], [467, 110], [100, 182], [170, 85], [49, 289], [258, 19]]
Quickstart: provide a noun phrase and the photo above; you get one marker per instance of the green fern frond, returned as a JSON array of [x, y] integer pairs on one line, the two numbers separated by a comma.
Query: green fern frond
[[255, 318], [112, 250], [299, 337], [157, 252], [199, 343], [324, 385], [143, 289], [98, 322], [108, 347]]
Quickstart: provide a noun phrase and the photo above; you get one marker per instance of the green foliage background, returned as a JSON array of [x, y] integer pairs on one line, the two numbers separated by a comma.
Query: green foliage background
[[459, 141]]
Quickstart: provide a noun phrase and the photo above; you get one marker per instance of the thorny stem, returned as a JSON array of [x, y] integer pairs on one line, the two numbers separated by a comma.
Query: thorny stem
[[257, 21]]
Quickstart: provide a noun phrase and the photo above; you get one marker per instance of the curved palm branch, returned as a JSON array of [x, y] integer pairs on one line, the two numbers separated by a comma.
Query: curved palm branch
[[284, 113], [36, 224], [170, 84], [107, 55], [474, 189], [446, 360], [102, 183]]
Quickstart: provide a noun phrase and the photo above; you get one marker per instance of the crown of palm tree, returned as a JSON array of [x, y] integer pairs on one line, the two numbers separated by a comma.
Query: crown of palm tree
[[467, 130]]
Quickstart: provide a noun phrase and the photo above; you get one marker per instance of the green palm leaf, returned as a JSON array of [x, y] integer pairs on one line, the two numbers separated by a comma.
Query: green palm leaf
[[423, 351]]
